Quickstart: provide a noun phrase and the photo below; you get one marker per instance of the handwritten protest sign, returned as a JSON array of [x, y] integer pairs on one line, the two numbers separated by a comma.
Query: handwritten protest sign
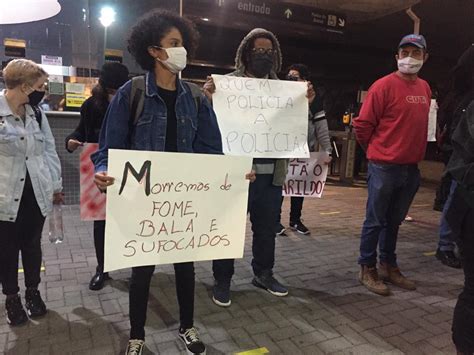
[[262, 118], [169, 208], [306, 177], [92, 200]]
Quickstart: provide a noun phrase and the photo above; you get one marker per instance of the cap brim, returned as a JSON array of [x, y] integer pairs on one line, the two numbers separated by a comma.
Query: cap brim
[[412, 44]]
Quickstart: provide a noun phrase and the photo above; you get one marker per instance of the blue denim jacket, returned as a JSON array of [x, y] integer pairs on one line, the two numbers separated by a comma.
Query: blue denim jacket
[[198, 132], [25, 146]]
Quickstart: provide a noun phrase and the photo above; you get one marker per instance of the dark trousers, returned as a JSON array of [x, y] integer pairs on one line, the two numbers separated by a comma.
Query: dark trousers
[[99, 238], [442, 192], [391, 191], [461, 219], [295, 210], [140, 289], [263, 205], [23, 235]]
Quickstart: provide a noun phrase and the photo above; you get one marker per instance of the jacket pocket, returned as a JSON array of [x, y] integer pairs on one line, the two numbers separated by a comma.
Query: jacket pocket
[[39, 143], [7, 144]]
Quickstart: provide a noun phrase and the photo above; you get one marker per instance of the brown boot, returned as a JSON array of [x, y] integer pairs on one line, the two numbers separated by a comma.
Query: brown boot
[[369, 277], [393, 275]]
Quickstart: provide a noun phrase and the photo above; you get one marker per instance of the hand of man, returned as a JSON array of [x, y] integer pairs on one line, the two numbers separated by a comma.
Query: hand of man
[[73, 144], [102, 180], [251, 176], [209, 88]]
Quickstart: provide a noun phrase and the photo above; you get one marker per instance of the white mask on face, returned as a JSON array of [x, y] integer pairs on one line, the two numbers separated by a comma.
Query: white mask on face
[[176, 61], [409, 65]]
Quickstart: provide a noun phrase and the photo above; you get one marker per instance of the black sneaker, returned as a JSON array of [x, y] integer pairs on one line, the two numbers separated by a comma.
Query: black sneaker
[[280, 229], [269, 283], [16, 315], [221, 293], [35, 306], [299, 227], [190, 338], [135, 347], [98, 280], [448, 258]]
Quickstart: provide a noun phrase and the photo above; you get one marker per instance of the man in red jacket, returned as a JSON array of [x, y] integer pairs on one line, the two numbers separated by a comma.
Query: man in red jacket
[[392, 127]]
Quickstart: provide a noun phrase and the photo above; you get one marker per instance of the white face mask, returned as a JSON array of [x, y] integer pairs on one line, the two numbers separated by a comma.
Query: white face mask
[[176, 61], [409, 65]]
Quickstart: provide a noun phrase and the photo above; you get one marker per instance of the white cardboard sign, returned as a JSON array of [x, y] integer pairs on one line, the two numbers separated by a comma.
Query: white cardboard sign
[[262, 118], [172, 207]]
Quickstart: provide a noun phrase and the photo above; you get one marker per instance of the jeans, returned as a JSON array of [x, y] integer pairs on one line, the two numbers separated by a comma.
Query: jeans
[[99, 239], [23, 235], [446, 241], [295, 211], [263, 205], [391, 189], [140, 289], [461, 218]]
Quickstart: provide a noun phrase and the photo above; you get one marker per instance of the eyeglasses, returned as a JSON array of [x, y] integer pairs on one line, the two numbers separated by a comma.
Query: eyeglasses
[[263, 50]]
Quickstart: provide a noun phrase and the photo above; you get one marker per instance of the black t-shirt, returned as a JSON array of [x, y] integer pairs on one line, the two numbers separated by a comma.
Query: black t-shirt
[[169, 97]]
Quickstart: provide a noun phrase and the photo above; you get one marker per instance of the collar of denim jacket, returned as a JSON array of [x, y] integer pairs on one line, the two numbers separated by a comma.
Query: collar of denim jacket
[[151, 89]]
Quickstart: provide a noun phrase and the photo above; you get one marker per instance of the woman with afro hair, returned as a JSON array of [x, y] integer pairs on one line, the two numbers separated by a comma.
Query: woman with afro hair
[[159, 43]]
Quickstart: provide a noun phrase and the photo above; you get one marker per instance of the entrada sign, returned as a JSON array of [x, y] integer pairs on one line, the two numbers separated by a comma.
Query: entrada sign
[[286, 12]]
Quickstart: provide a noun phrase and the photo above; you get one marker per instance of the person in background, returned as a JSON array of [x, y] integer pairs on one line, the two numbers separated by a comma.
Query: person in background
[[30, 182], [112, 76], [318, 134], [460, 217], [392, 126], [459, 95]]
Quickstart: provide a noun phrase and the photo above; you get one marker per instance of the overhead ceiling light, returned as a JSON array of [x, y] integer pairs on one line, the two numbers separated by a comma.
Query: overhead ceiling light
[[205, 19], [107, 16], [21, 11]]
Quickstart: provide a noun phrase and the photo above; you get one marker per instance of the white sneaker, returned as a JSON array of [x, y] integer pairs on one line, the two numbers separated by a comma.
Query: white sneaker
[[190, 338], [135, 347]]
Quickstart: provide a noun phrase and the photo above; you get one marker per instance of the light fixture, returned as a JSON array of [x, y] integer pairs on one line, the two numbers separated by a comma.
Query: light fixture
[[107, 16], [21, 11], [205, 19]]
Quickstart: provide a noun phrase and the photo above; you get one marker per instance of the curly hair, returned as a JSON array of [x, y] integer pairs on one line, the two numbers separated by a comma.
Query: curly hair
[[150, 30], [300, 68]]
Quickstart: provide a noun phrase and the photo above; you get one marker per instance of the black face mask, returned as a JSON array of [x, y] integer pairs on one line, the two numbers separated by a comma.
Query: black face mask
[[261, 64], [35, 97]]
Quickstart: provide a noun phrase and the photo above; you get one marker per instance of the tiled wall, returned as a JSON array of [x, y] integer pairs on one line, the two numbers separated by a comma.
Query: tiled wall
[[62, 125]]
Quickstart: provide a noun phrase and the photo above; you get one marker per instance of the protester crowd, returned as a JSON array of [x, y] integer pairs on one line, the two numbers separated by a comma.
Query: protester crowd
[[391, 127]]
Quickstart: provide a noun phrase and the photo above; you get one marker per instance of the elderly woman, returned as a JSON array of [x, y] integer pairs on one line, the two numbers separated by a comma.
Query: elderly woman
[[30, 181]]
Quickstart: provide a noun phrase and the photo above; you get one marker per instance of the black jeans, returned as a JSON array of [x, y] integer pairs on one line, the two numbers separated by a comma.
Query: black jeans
[[295, 210], [99, 238], [140, 288], [23, 235], [461, 219], [264, 205]]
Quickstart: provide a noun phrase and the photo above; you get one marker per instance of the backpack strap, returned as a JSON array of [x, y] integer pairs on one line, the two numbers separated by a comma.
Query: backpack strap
[[38, 115], [137, 99], [196, 92]]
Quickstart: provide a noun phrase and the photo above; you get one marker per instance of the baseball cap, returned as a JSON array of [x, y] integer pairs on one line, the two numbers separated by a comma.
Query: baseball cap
[[413, 39]]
